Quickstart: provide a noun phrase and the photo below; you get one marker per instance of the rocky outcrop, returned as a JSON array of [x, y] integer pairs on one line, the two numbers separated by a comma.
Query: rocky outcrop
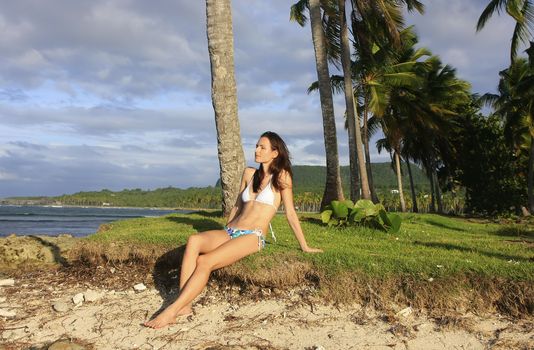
[[15, 250]]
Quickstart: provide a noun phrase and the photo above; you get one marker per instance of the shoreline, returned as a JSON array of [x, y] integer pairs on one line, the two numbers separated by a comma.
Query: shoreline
[[99, 207]]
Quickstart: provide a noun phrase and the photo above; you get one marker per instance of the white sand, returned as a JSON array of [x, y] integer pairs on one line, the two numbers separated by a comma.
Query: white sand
[[114, 321]]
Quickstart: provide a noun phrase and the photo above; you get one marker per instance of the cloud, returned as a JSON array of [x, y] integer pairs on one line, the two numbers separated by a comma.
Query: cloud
[[116, 94], [54, 170], [448, 29]]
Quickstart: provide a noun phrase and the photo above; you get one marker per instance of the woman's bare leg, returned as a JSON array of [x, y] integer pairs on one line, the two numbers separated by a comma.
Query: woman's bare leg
[[197, 244], [222, 256]]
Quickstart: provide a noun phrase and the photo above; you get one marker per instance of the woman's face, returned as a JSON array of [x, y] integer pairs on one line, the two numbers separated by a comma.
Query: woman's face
[[264, 152]]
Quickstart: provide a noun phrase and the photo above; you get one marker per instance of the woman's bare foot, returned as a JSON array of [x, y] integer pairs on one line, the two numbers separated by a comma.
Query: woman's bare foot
[[165, 318], [168, 317], [186, 310]]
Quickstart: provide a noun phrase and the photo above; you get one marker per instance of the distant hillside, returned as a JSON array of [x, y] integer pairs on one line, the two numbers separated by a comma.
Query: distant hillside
[[309, 186]]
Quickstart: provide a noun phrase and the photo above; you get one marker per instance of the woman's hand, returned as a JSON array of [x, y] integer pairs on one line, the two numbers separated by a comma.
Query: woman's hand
[[312, 250]]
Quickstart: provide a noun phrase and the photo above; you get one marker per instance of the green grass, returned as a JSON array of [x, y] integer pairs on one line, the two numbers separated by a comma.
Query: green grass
[[428, 246], [434, 263]]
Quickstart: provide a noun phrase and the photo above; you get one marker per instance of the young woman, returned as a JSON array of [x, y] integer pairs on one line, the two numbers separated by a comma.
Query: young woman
[[261, 193]]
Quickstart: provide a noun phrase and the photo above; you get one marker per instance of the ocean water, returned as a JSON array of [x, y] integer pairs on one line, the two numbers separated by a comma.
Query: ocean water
[[77, 221]]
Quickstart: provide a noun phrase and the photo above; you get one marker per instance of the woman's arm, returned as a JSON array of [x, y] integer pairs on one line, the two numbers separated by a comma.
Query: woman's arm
[[236, 210], [291, 214]]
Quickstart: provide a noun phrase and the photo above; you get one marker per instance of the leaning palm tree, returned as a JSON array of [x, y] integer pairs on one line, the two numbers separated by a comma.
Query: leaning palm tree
[[224, 99], [522, 11], [333, 189], [353, 118]]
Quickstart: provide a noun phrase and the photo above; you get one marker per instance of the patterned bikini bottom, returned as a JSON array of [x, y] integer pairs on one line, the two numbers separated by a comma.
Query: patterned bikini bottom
[[234, 233]]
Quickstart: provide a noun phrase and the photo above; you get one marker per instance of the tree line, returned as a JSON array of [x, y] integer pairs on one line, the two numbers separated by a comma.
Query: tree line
[[309, 182], [426, 114]]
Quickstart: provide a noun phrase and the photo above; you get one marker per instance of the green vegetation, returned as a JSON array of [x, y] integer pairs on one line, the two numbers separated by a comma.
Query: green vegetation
[[364, 212], [432, 262], [419, 104], [309, 182], [424, 241]]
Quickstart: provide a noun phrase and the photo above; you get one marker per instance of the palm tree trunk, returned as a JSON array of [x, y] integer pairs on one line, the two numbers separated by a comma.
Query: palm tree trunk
[[368, 166], [333, 189], [399, 182], [355, 147], [353, 167], [432, 192], [438, 190], [531, 177], [412, 187], [224, 99]]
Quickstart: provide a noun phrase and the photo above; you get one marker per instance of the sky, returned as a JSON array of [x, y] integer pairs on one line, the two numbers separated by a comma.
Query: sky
[[115, 94]]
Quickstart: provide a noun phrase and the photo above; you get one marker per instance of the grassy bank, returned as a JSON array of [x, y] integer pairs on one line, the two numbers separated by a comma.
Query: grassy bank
[[433, 263]]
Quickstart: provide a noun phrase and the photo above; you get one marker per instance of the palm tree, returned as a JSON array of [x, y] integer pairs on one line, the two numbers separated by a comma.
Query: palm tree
[[353, 118], [385, 18], [392, 126], [376, 25], [418, 114], [515, 104], [387, 68], [521, 11], [441, 96], [224, 99], [333, 189]]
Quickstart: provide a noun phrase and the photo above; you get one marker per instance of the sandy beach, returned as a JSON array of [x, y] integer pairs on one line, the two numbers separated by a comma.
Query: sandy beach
[[46, 302], [111, 318]]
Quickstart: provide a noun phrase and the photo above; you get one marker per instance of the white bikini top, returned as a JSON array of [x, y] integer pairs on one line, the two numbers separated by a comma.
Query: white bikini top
[[266, 196]]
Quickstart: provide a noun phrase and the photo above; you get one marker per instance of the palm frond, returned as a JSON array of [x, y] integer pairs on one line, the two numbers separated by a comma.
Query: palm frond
[[382, 144], [514, 10], [414, 5], [373, 126], [488, 99], [493, 6], [521, 31], [298, 12], [336, 83]]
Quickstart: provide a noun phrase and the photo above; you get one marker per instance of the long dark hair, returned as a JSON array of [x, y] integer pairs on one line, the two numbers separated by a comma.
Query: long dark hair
[[282, 162]]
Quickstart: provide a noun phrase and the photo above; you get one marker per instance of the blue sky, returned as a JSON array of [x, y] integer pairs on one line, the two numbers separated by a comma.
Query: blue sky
[[116, 93]]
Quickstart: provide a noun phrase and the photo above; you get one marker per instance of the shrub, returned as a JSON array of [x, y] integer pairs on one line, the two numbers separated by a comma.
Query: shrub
[[363, 212]]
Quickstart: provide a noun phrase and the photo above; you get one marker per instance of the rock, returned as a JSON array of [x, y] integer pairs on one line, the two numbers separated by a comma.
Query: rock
[[7, 313], [318, 347], [140, 287], [61, 306], [77, 299], [7, 282], [112, 270], [65, 345], [91, 296], [404, 312]]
